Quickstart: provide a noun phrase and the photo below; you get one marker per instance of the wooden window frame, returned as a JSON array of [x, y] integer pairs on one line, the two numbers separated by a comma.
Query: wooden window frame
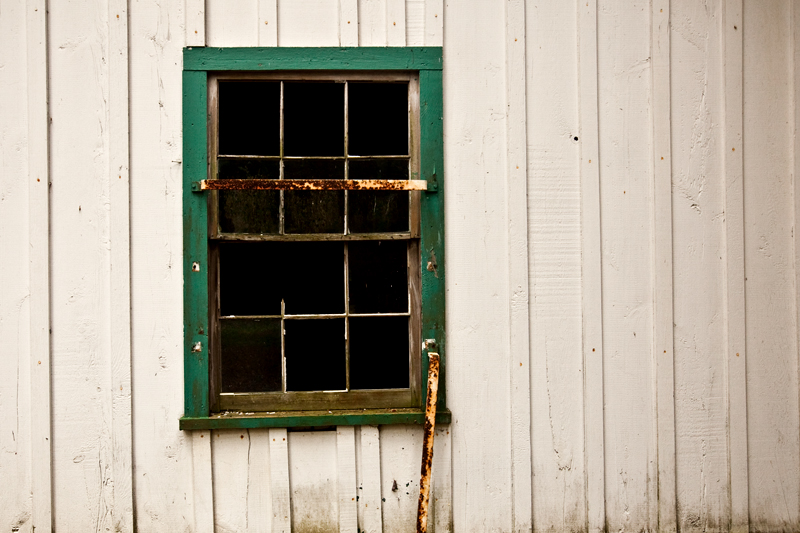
[[202, 64]]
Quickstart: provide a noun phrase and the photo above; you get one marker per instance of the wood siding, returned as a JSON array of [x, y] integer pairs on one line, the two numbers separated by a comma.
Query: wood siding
[[623, 273]]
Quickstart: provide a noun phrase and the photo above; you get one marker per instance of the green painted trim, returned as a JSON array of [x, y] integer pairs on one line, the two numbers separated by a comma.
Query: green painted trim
[[197, 61], [292, 419], [195, 245], [432, 224], [289, 58]]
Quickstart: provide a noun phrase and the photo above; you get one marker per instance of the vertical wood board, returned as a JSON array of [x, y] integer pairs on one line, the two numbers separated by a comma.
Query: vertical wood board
[[625, 133], [772, 401]]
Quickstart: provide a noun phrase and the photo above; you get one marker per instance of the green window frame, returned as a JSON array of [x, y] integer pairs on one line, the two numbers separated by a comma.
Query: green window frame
[[198, 65]]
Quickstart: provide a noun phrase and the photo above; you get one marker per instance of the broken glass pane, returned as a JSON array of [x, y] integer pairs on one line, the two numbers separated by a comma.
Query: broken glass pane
[[315, 355], [251, 355]]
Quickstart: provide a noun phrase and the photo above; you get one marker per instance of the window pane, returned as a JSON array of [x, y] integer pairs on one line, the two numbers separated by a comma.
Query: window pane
[[313, 119], [378, 118], [378, 211], [249, 117], [315, 355], [314, 211], [255, 277], [251, 355], [378, 277], [249, 211], [379, 349]]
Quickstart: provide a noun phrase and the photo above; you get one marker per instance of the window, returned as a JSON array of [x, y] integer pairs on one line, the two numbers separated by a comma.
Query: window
[[313, 235]]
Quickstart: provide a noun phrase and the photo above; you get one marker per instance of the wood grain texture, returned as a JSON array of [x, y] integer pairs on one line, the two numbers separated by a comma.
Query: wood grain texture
[[698, 181], [477, 272], [162, 453], [202, 482], [348, 22], [401, 451], [38, 177], [396, 22], [308, 23], [82, 410], [267, 23], [415, 22], [370, 517], [195, 23], [120, 257], [372, 23], [313, 481], [346, 479], [442, 499], [16, 447], [591, 269], [625, 133], [555, 140], [279, 481], [434, 22], [735, 311], [518, 286], [772, 402], [233, 23], [662, 348]]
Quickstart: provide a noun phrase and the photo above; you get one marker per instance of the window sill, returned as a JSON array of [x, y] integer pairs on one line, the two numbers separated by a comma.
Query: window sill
[[292, 419]]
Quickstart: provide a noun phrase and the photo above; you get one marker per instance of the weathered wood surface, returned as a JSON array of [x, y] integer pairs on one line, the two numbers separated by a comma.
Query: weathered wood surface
[[643, 284]]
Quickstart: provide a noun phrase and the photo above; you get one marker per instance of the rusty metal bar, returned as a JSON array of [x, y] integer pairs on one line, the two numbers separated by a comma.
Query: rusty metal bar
[[310, 185], [427, 443]]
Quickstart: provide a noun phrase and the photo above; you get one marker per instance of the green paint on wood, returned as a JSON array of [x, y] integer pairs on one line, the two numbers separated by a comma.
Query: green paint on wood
[[432, 224], [197, 63], [313, 419], [288, 58], [195, 245]]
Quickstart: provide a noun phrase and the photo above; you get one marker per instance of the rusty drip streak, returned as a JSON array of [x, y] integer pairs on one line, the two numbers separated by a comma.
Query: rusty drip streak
[[427, 443], [312, 185]]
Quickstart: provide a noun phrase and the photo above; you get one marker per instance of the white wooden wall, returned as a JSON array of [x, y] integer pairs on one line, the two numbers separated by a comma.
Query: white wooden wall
[[622, 263]]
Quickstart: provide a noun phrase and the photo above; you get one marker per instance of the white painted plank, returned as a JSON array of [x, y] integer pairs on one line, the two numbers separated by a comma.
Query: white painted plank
[[348, 22], [232, 23], [279, 481], [518, 284], [773, 416], [267, 22], [434, 22], [195, 22], [202, 482], [401, 457], [346, 479], [591, 268], [369, 473], [415, 22], [308, 23], [662, 348], [82, 418], [120, 278], [39, 259], [372, 23], [554, 200], [313, 480], [625, 133], [162, 453], [698, 210], [259, 501], [396, 22], [477, 267], [15, 320], [442, 481], [230, 471], [735, 311], [240, 470]]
